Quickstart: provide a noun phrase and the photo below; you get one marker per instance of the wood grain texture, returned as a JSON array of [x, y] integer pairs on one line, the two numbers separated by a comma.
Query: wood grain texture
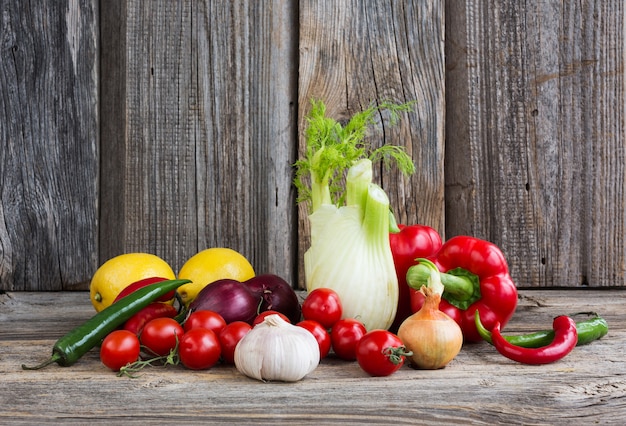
[[179, 132], [355, 53], [206, 145], [535, 136], [478, 387], [48, 144]]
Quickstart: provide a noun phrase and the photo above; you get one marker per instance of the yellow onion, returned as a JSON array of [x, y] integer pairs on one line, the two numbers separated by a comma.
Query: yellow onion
[[433, 337]]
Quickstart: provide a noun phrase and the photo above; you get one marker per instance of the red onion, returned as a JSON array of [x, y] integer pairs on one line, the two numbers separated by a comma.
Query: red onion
[[230, 298], [277, 295]]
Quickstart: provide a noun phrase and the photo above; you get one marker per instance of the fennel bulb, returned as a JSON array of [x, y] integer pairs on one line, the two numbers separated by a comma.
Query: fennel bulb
[[350, 251]]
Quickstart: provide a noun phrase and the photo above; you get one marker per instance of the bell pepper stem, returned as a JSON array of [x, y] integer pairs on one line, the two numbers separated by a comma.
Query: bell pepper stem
[[459, 287]]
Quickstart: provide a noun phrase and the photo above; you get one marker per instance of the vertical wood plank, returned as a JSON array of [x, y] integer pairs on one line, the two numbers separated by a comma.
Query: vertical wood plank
[[113, 123], [247, 94], [356, 52], [148, 168], [48, 144], [207, 142], [535, 136]]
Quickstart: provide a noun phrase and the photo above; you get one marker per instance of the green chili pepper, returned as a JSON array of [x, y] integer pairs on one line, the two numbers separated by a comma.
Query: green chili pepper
[[69, 348], [588, 331]]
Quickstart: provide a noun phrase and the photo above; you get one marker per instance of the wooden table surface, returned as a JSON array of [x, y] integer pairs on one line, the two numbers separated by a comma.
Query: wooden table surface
[[478, 387]]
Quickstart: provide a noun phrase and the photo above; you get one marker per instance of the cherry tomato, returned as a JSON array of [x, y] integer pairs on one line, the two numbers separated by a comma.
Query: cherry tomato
[[150, 312], [199, 349], [230, 336], [322, 305], [161, 335], [261, 317], [205, 319], [344, 337], [119, 348], [380, 353], [320, 333]]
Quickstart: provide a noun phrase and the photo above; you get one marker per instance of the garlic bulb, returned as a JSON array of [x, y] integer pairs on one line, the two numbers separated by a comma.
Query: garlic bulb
[[277, 350]]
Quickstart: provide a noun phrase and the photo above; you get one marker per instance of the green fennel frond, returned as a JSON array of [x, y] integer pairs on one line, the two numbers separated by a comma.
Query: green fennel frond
[[332, 148]]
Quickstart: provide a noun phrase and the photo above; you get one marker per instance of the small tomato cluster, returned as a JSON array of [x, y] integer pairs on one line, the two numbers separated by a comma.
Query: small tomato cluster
[[378, 352], [198, 344]]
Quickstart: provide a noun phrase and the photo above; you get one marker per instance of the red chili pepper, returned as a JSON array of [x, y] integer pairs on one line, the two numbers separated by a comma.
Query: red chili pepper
[[154, 310], [475, 275], [408, 243], [565, 339], [142, 283]]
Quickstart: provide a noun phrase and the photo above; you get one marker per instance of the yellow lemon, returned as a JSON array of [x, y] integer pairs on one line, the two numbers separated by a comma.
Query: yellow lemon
[[121, 271], [210, 265]]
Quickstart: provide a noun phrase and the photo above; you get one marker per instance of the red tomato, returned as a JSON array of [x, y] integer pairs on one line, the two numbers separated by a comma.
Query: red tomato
[[344, 337], [230, 336], [199, 349], [320, 333], [119, 348], [161, 335], [380, 353], [205, 319], [322, 305], [261, 317]]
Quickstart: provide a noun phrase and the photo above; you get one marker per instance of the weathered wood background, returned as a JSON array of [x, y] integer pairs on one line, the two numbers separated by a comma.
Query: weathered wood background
[[535, 155], [49, 144], [171, 126]]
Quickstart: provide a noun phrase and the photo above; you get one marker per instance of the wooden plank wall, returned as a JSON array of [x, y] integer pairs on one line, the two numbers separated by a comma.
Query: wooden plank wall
[[48, 144], [201, 154], [535, 157], [179, 132]]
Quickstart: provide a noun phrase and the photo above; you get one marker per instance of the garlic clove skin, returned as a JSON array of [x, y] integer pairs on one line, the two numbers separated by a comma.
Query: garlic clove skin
[[276, 350]]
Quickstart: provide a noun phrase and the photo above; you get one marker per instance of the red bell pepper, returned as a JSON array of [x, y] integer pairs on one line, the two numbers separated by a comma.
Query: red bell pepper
[[475, 276], [408, 243]]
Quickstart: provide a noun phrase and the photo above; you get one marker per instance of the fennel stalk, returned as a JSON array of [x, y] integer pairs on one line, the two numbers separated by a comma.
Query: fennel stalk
[[350, 251]]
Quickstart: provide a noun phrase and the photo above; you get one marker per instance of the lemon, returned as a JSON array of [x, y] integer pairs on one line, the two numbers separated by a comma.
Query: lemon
[[121, 271], [210, 265]]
